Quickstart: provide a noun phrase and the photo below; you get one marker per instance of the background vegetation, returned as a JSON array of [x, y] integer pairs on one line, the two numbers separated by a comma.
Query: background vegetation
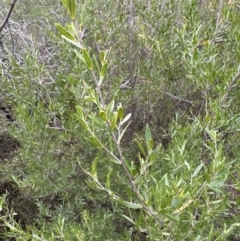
[[174, 65]]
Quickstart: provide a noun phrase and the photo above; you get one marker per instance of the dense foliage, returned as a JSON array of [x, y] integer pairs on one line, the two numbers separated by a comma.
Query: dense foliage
[[119, 120]]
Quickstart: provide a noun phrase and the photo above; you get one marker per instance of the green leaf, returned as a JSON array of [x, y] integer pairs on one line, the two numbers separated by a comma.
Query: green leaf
[[120, 112], [210, 233], [174, 219], [80, 112], [97, 100], [72, 8], [94, 168], [64, 32], [165, 179], [108, 178], [130, 204], [110, 108], [126, 118], [76, 44], [114, 120], [72, 29], [140, 147], [102, 115], [87, 59], [176, 201], [187, 165], [103, 56], [133, 171], [148, 135], [96, 63], [197, 170], [115, 161], [92, 185], [122, 132], [82, 121], [150, 146], [212, 134], [96, 142], [229, 231], [79, 56], [64, 2], [216, 183], [129, 219], [103, 70]]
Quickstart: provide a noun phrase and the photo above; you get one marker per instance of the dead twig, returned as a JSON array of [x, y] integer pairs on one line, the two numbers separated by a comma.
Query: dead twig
[[8, 15], [220, 6]]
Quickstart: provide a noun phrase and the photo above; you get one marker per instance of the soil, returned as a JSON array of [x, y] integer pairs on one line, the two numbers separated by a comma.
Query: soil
[[8, 146], [18, 202]]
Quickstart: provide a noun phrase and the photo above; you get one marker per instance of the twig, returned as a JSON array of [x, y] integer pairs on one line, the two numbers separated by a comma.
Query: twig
[[219, 13], [8, 15], [176, 97], [230, 86]]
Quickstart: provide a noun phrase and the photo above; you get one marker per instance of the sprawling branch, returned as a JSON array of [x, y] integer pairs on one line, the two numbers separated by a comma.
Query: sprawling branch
[[8, 15]]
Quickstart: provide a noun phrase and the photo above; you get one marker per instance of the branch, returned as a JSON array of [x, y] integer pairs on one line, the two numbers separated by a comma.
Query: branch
[[230, 86], [8, 15]]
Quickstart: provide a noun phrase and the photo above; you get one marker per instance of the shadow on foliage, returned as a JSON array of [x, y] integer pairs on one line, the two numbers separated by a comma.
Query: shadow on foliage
[[18, 202], [8, 146]]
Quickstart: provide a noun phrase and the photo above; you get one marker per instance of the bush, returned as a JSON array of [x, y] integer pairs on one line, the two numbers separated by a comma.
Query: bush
[[139, 107]]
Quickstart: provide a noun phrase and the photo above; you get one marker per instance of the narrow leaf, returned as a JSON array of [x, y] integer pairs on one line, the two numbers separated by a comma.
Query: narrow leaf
[[197, 170], [108, 179], [64, 2], [229, 231], [122, 133], [72, 8], [87, 59], [79, 56], [148, 135], [185, 205], [115, 161], [103, 70], [126, 118], [212, 134], [64, 32], [82, 122], [140, 147], [129, 219], [150, 145], [103, 56], [94, 168], [102, 115], [96, 142], [174, 219], [110, 108], [72, 29], [76, 44], [210, 233], [114, 120], [120, 112], [130, 204], [80, 112]]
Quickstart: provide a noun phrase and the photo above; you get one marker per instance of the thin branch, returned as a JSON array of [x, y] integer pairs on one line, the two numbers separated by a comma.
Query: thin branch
[[220, 6], [8, 15], [230, 86], [130, 29], [176, 97], [134, 188]]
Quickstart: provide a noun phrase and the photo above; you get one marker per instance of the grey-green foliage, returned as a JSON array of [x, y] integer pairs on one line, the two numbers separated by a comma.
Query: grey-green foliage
[[179, 67]]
